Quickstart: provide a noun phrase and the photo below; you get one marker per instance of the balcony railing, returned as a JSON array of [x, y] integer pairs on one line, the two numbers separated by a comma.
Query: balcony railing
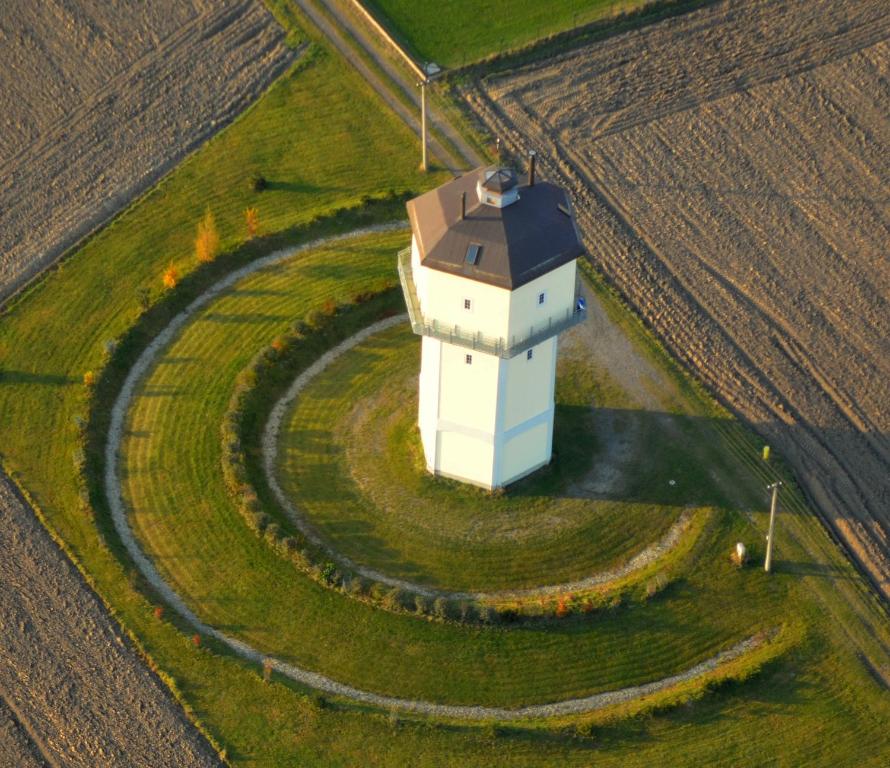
[[463, 337]]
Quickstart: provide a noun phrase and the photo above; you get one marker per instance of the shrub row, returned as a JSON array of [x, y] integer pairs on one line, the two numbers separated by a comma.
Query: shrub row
[[261, 384], [256, 390]]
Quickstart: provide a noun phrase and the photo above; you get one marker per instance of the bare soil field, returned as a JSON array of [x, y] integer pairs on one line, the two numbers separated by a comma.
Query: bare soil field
[[16, 747], [98, 100], [731, 172], [72, 690]]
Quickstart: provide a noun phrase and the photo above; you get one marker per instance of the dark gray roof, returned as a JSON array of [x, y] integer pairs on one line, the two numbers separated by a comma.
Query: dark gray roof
[[519, 242]]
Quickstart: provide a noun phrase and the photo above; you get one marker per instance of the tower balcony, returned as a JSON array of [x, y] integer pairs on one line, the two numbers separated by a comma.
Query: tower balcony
[[466, 337]]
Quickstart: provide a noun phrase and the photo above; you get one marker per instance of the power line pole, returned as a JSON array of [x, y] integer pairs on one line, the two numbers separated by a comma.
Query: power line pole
[[424, 166], [768, 563]]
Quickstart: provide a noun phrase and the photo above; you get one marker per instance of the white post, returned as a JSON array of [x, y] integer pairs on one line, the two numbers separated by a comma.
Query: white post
[[423, 163], [767, 565]]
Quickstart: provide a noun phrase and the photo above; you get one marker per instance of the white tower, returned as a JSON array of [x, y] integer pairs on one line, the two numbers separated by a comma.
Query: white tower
[[490, 281]]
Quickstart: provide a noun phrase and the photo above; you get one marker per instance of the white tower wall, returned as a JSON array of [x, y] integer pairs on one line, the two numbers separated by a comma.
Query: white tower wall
[[485, 418]]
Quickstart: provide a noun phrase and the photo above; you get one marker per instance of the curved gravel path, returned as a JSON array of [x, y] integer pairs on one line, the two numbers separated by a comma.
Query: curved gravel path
[[270, 454], [298, 674]]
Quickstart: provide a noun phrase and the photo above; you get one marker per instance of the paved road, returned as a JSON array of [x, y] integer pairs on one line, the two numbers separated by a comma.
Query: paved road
[[72, 690]]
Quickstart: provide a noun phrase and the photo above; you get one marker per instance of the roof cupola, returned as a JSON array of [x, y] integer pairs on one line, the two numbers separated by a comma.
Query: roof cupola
[[498, 188]]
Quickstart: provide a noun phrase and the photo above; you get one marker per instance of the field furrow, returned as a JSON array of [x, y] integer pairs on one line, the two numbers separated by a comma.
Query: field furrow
[[126, 95], [732, 181]]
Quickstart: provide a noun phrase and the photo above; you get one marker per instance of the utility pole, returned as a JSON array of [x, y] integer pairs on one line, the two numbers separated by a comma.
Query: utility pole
[[767, 564], [424, 166]]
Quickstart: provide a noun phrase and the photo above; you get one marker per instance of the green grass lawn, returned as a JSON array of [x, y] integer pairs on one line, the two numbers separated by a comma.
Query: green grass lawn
[[816, 706], [187, 524], [457, 32], [317, 158], [358, 475]]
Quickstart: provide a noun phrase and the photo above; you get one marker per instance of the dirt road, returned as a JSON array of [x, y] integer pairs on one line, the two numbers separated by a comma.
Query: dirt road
[[98, 100], [731, 170], [377, 48], [337, 32], [72, 691]]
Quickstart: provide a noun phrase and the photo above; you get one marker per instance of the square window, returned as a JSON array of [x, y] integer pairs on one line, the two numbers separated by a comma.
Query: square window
[[469, 359], [529, 354], [468, 304], [542, 297]]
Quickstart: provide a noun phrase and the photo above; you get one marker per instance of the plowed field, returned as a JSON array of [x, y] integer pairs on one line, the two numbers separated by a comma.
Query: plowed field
[[730, 171], [98, 100], [73, 692]]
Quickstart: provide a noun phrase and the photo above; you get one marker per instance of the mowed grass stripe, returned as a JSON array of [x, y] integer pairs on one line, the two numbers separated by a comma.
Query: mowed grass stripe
[[234, 581], [380, 509], [205, 397]]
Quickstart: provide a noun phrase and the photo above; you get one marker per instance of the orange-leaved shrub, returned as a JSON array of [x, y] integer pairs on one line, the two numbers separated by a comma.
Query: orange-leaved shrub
[[170, 276], [207, 240], [252, 222]]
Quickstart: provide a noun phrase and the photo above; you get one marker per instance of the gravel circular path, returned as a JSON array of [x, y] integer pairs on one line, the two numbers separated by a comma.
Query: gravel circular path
[[270, 456], [298, 674]]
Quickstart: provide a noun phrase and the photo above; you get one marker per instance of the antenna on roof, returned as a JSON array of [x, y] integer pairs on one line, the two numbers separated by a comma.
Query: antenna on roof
[[531, 168]]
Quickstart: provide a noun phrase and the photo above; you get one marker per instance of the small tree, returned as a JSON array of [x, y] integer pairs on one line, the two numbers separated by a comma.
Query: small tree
[[89, 379], [144, 296], [207, 240], [329, 573], [252, 222], [170, 276]]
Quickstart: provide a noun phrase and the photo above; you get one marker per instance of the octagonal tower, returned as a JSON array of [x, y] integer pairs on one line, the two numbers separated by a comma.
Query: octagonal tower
[[490, 282]]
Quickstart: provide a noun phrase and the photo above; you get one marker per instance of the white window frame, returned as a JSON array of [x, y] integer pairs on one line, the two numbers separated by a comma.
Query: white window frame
[[542, 298], [468, 359], [468, 304], [530, 354]]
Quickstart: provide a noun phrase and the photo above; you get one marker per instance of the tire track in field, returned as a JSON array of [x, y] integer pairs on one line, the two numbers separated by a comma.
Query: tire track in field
[[17, 745]]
